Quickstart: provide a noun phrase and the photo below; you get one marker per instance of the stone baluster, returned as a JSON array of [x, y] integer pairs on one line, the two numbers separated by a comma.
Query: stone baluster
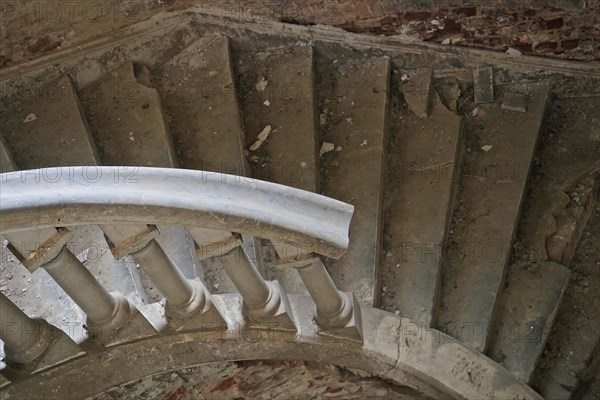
[[337, 313], [263, 302], [185, 298], [32, 344], [111, 319], [25, 339]]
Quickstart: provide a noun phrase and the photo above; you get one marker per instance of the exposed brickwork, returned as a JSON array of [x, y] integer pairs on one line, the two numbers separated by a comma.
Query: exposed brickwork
[[261, 380], [565, 29]]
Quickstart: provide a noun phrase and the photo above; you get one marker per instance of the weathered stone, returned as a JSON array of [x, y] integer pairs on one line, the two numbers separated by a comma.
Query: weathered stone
[[3, 381], [126, 120], [571, 220], [6, 162], [355, 174], [418, 91], [525, 315], [423, 174], [483, 81], [289, 156], [199, 94], [514, 102], [491, 192], [58, 136]]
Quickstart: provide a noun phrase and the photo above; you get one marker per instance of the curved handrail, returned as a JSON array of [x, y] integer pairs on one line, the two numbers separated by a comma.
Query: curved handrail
[[70, 196]]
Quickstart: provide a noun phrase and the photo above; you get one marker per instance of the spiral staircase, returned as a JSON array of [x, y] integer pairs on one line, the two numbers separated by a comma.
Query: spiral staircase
[[200, 188]]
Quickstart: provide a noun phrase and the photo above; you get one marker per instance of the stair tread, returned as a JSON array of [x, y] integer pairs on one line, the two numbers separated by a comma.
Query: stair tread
[[198, 91], [358, 106], [526, 311], [289, 156], [126, 119], [420, 191], [7, 163], [574, 342], [56, 132], [286, 105], [492, 186]]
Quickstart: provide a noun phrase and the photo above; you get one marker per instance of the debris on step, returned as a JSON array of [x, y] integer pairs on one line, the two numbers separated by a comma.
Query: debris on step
[[267, 103], [323, 119], [486, 148], [264, 134], [446, 41], [513, 52], [514, 102], [326, 148], [262, 137], [483, 81], [417, 90], [475, 112], [262, 84], [449, 91], [31, 117]]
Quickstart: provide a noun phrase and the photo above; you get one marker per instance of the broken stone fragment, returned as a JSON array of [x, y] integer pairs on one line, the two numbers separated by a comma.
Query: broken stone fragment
[[514, 102], [261, 85], [417, 90], [262, 137], [483, 81], [326, 148], [264, 134], [31, 117]]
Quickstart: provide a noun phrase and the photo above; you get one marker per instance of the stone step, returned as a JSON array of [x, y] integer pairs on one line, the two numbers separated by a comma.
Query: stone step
[[126, 119], [49, 129], [574, 343], [494, 173], [198, 91], [277, 97], [424, 160], [526, 311], [354, 109]]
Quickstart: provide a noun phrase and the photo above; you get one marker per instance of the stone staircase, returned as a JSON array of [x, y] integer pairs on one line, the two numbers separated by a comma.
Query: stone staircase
[[445, 286]]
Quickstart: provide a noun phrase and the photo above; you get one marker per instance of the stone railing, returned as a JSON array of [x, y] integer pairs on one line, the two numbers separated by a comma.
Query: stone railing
[[37, 210]]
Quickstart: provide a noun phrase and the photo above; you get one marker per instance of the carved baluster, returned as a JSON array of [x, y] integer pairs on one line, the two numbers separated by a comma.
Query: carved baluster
[[188, 302], [263, 302], [32, 345], [337, 312], [111, 318]]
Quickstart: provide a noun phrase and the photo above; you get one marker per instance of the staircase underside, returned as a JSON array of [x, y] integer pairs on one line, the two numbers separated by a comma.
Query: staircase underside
[[415, 341]]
